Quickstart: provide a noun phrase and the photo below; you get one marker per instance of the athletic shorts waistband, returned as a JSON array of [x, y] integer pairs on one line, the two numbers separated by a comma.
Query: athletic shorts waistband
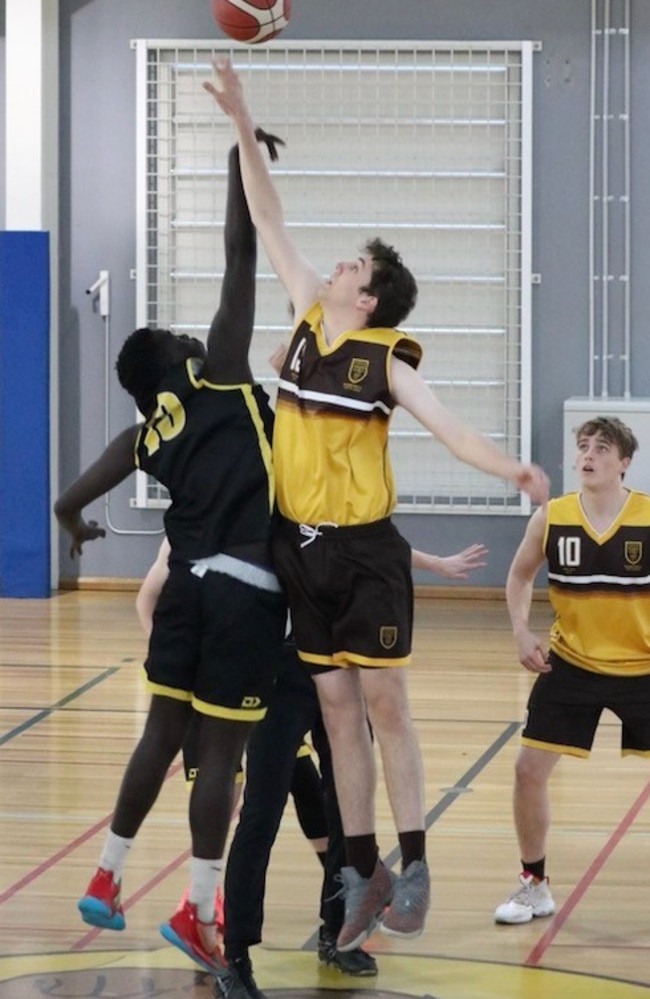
[[328, 529], [245, 572]]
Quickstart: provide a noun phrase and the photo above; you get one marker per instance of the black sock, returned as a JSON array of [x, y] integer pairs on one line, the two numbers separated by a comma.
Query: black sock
[[412, 846], [535, 868], [361, 852]]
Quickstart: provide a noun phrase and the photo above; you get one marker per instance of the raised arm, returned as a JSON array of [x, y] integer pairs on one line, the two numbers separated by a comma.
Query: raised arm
[[111, 468], [411, 392], [528, 558], [299, 278], [231, 329]]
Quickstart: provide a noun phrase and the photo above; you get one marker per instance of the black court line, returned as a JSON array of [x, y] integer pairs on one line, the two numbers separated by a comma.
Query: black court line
[[73, 695], [447, 800], [451, 795]]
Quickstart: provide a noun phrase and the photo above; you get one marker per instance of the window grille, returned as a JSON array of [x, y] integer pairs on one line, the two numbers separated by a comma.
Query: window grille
[[427, 145]]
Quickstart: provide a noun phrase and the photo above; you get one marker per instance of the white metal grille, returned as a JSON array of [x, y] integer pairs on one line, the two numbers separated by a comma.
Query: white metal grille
[[424, 144]]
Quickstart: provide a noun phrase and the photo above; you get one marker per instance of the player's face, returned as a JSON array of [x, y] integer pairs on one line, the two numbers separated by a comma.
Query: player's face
[[347, 279], [598, 462]]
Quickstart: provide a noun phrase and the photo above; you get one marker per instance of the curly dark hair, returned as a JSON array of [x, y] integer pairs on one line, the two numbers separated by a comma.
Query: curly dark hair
[[392, 284], [145, 357]]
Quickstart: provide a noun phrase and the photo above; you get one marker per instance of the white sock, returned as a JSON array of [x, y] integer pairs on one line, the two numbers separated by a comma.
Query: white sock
[[114, 854], [205, 875]]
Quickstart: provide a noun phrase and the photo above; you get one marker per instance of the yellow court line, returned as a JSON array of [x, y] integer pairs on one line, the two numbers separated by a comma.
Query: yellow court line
[[401, 975]]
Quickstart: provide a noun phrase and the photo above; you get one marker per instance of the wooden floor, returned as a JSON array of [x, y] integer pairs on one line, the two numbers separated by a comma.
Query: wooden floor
[[72, 706]]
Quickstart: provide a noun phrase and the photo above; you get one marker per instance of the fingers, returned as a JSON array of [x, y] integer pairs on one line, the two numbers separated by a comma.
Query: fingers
[[270, 141]]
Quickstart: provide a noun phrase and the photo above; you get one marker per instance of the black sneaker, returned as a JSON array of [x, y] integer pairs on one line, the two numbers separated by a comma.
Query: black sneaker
[[351, 962], [237, 981]]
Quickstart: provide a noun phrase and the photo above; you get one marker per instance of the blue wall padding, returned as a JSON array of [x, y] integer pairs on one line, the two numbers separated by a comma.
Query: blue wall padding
[[24, 414]]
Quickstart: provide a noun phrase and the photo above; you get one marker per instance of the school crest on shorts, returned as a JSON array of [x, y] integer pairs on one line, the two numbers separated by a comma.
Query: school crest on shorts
[[359, 367], [633, 552], [388, 636]]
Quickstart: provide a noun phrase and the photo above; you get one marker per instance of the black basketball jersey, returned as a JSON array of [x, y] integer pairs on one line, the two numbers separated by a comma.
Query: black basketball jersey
[[210, 445]]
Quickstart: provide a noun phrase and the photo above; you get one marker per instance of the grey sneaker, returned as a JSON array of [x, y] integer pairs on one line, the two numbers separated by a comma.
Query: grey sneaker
[[365, 900], [530, 900], [353, 962], [407, 912]]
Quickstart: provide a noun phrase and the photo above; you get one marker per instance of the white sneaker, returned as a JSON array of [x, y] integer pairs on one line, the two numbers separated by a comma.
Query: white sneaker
[[531, 899]]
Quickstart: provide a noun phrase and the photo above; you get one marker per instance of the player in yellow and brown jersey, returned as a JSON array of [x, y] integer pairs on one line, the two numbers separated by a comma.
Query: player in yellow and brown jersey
[[345, 567], [597, 546]]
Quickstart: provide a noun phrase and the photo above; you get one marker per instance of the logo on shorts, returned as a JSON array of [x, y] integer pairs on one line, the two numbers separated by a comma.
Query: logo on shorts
[[251, 702], [633, 552], [387, 636]]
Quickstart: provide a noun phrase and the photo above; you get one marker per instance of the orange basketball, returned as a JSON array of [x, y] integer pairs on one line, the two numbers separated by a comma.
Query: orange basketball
[[251, 21]]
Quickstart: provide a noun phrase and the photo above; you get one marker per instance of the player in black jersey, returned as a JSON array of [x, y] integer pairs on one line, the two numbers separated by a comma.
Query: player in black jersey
[[273, 769], [219, 624]]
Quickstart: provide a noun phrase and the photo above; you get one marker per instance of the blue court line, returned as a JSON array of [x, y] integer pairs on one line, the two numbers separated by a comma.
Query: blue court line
[[19, 729]]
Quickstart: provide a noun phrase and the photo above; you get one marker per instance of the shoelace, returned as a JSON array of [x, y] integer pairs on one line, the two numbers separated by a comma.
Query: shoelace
[[522, 893], [312, 532]]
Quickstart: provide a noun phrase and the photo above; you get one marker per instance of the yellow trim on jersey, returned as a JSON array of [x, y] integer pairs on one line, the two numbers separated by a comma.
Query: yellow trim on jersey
[[555, 747], [264, 445], [304, 749]]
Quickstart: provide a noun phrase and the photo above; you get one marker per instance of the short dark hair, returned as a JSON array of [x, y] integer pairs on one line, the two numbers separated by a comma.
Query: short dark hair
[[146, 356], [613, 430], [391, 283]]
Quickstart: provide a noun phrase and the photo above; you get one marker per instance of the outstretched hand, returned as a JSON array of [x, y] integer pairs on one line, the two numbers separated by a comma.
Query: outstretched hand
[[80, 531], [227, 91], [458, 566], [226, 87], [534, 481]]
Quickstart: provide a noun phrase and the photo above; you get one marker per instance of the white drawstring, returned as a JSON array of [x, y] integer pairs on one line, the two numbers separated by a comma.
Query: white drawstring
[[312, 532]]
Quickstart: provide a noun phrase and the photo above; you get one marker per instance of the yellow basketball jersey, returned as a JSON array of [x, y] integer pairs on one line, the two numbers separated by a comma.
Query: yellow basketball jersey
[[330, 441], [599, 586]]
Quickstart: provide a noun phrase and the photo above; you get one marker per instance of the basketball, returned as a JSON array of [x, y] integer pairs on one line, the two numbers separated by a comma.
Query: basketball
[[251, 21]]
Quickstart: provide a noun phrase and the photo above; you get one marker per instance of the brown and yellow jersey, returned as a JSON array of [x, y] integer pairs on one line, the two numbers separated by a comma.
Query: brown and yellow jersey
[[330, 441], [599, 586]]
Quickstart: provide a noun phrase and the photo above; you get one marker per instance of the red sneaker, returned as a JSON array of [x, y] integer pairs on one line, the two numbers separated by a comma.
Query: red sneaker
[[218, 907], [101, 905], [196, 939]]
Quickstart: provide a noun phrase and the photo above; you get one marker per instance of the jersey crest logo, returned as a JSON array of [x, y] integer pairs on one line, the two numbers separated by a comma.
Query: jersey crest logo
[[251, 702], [633, 552], [387, 636], [359, 367]]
